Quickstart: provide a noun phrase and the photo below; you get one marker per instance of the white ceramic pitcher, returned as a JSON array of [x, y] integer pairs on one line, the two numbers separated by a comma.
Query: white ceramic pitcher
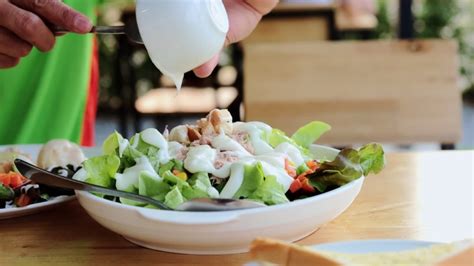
[[181, 35]]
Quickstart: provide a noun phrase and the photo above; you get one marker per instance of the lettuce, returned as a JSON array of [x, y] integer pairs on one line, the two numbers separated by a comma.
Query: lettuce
[[270, 192], [256, 186], [372, 158], [308, 134], [111, 145], [174, 198], [202, 187], [151, 186], [348, 166], [101, 170]]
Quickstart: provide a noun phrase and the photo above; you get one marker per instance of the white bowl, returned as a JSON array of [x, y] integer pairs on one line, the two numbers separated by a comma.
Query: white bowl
[[221, 232]]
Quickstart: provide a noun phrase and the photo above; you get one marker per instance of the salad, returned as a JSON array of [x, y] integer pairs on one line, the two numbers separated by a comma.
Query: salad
[[58, 156], [221, 159]]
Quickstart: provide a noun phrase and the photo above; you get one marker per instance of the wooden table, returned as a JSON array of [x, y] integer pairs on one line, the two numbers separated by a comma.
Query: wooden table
[[425, 196]]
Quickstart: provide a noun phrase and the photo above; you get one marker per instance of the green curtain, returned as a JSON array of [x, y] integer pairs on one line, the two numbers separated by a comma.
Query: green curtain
[[44, 97]]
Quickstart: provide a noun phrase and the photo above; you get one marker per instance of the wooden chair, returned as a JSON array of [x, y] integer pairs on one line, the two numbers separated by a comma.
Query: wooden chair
[[401, 92]]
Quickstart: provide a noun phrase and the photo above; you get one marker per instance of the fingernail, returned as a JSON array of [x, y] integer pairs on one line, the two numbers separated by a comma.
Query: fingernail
[[82, 24]]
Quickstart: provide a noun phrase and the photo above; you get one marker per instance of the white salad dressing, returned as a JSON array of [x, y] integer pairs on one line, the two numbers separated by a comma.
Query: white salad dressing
[[292, 152], [123, 144], [200, 159], [235, 180], [181, 35], [155, 138], [129, 178], [174, 149], [223, 142], [256, 131]]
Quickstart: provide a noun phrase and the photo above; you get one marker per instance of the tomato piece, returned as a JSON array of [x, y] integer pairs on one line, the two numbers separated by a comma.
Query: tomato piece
[[306, 186], [16, 179], [295, 186], [23, 200], [5, 179]]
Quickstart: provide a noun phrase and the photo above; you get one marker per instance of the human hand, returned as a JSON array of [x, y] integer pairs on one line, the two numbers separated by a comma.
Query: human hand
[[244, 16], [23, 24]]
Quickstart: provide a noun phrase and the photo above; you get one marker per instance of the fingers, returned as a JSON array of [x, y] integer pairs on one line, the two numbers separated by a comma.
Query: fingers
[[26, 25], [8, 61], [57, 13], [13, 46], [206, 69], [262, 6]]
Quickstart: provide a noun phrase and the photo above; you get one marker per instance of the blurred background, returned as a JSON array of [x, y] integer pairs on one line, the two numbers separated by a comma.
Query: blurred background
[[400, 72]]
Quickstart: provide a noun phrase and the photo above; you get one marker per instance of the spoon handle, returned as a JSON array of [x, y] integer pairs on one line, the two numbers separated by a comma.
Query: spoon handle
[[42, 176], [95, 29]]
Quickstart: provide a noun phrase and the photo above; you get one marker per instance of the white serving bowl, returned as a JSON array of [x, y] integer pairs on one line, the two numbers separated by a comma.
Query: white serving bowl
[[221, 232]]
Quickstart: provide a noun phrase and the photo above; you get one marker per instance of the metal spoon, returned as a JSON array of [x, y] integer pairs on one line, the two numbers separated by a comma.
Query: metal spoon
[[44, 177], [130, 29]]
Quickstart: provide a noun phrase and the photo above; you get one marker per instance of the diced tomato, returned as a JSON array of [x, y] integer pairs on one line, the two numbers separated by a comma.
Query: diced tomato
[[306, 186], [295, 186], [290, 168], [12, 179], [5, 179], [23, 200], [16, 180]]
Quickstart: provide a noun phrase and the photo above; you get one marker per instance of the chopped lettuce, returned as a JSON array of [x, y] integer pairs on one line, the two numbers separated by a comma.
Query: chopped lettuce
[[128, 180], [174, 198], [308, 134], [171, 165], [278, 137], [349, 165], [111, 145], [270, 192], [202, 186], [6, 193], [372, 158], [151, 186], [101, 170], [256, 186]]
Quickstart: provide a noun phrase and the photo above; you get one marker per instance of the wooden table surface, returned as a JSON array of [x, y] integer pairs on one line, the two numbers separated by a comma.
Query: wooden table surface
[[423, 196]]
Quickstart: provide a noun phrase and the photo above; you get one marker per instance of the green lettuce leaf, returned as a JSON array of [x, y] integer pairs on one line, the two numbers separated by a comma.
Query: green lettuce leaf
[[278, 137], [101, 170], [174, 198], [6, 193], [256, 186], [171, 165], [348, 166], [308, 134], [112, 143], [151, 186], [202, 187], [253, 179], [270, 192], [372, 158], [132, 202]]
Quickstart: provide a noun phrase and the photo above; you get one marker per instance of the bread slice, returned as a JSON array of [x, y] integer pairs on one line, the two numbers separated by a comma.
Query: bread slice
[[464, 257], [282, 253]]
